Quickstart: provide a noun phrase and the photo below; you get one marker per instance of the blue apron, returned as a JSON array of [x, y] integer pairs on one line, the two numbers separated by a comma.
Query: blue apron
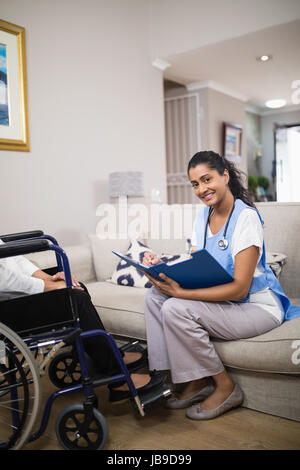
[[267, 279]]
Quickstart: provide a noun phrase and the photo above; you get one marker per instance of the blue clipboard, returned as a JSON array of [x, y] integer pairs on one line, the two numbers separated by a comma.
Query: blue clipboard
[[200, 271]]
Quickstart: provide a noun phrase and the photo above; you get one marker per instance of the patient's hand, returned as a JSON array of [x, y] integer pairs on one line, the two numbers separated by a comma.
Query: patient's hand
[[150, 259], [58, 282], [53, 285], [61, 277]]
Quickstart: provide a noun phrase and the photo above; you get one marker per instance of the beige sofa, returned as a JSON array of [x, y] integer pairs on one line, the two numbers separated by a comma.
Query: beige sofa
[[267, 366]]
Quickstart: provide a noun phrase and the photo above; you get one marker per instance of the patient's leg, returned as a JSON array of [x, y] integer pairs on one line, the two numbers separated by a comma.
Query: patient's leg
[[98, 347]]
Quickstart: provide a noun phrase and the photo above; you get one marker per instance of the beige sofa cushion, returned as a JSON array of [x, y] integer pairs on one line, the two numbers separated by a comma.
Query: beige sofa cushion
[[276, 351], [105, 261], [80, 259], [117, 297], [171, 247], [121, 308]]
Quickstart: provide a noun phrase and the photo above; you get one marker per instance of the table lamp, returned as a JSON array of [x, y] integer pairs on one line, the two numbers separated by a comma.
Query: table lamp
[[126, 183]]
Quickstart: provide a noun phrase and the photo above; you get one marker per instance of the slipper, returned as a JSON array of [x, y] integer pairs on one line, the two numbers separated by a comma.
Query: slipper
[[235, 399]]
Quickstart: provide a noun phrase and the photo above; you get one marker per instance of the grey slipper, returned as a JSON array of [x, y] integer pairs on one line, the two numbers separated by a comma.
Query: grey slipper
[[235, 399], [174, 403]]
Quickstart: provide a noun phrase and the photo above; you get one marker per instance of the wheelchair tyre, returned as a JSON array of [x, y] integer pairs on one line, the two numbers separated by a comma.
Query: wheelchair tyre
[[20, 390], [64, 370], [69, 426]]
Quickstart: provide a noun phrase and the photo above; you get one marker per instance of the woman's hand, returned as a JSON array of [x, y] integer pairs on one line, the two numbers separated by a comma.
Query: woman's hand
[[150, 259], [167, 286], [61, 277]]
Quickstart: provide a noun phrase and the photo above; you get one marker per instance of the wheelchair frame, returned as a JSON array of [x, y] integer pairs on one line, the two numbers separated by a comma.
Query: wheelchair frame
[[28, 242]]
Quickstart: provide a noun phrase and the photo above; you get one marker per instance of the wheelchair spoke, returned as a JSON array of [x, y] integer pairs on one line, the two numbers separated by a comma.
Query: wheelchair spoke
[[19, 391]]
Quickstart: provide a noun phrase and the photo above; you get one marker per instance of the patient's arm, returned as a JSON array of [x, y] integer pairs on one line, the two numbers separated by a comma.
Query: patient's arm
[[41, 275], [13, 281]]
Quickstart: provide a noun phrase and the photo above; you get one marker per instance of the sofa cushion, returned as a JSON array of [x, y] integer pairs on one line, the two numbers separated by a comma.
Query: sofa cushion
[[105, 294], [80, 259], [121, 308], [276, 351], [171, 246], [105, 261], [127, 275], [276, 262]]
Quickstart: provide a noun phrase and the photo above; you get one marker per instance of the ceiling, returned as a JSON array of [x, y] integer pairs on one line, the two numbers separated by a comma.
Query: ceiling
[[231, 65]]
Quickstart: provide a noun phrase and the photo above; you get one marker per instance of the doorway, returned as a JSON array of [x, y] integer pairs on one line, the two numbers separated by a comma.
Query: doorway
[[287, 162]]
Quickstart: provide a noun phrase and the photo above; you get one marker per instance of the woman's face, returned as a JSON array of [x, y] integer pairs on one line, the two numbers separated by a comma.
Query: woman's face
[[209, 186]]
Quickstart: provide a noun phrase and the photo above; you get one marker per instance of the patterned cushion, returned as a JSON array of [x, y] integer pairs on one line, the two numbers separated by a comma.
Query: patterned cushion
[[128, 275], [276, 262]]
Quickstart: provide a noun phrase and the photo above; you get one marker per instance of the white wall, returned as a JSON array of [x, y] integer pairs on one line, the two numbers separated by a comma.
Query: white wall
[[95, 106]]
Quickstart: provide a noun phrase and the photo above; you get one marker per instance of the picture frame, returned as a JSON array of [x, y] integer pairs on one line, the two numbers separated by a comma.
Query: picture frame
[[232, 142], [14, 127]]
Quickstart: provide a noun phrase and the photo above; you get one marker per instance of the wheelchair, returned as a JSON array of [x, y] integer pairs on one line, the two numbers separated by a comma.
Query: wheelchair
[[32, 340]]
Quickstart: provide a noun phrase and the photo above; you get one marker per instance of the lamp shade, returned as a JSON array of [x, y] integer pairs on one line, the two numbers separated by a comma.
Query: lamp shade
[[126, 183]]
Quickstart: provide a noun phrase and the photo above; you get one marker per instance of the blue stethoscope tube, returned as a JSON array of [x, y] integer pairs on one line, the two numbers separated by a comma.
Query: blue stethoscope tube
[[222, 243]]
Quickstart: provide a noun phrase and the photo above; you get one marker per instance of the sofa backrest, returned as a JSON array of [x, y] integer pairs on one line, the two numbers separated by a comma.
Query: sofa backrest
[[282, 234], [80, 259]]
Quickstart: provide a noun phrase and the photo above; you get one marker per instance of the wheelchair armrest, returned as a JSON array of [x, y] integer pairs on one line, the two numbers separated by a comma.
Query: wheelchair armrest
[[23, 247], [32, 235], [10, 237]]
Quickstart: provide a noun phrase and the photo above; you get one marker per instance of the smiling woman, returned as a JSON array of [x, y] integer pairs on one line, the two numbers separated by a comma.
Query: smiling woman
[[216, 164], [180, 322]]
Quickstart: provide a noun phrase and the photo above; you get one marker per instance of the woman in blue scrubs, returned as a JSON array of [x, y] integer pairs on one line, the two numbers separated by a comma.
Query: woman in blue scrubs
[[180, 322]]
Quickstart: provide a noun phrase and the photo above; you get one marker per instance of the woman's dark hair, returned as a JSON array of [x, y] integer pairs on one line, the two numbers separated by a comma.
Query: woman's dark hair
[[216, 162]]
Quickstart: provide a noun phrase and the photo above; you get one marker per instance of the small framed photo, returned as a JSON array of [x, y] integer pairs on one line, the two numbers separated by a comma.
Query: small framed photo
[[14, 132], [232, 142]]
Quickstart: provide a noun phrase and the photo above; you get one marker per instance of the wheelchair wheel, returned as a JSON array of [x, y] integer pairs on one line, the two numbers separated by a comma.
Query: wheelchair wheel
[[76, 430], [64, 370], [20, 390]]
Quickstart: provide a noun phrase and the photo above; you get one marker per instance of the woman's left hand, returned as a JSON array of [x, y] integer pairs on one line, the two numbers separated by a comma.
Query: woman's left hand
[[167, 286]]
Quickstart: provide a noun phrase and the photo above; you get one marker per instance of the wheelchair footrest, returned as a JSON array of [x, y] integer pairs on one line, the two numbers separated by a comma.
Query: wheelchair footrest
[[154, 398]]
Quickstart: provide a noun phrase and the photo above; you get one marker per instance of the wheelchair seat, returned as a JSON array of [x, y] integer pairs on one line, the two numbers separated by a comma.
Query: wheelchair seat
[[35, 314]]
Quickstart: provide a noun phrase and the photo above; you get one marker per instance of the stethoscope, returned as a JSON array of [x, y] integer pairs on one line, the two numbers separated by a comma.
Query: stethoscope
[[223, 243]]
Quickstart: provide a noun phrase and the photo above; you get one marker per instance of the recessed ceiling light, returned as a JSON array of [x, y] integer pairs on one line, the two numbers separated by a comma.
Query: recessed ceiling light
[[264, 58], [275, 103]]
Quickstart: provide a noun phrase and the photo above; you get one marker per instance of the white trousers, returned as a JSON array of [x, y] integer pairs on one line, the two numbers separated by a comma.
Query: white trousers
[[179, 331]]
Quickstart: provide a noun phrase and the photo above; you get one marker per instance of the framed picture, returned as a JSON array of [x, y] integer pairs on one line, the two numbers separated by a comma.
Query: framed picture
[[232, 142], [14, 132]]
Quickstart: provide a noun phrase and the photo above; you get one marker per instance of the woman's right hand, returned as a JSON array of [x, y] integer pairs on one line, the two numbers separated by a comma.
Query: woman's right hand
[[150, 259]]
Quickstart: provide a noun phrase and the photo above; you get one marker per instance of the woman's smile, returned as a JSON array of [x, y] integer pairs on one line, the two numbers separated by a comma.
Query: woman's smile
[[208, 196]]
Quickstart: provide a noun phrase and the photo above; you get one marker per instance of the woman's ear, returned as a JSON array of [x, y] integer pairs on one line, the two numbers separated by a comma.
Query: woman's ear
[[227, 177]]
